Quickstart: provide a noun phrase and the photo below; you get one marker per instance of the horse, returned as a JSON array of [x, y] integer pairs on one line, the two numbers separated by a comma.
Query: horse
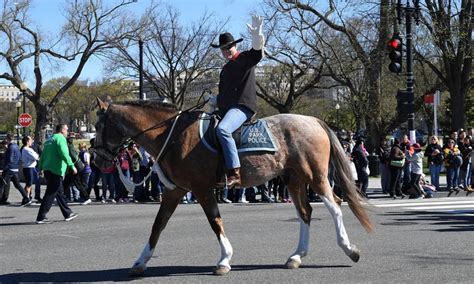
[[307, 150]]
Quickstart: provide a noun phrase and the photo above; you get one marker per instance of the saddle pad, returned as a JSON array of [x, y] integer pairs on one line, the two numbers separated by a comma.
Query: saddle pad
[[255, 137]]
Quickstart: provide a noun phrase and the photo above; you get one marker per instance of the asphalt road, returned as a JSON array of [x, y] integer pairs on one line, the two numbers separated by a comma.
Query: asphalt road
[[415, 241]]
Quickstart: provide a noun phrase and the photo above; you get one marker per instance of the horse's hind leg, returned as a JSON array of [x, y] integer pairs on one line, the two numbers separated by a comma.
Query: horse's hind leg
[[325, 192], [168, 205], [297, 190], [208, 202]]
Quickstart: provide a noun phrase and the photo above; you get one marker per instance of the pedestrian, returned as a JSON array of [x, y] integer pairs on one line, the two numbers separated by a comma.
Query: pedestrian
[[383, 153], [38, 148], [397, 162], [96, 173], [54, 162], [135, 166], [237, 93], [11, 163], [75, 182], [452, 163], [156, 186], [108, 183], [465, 170], [359, 157], [142, 191], [416, 161], [405, 145], [434, 153], [29, 160]]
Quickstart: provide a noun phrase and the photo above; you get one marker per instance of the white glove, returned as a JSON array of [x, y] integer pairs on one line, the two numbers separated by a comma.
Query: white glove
[[258, 40]]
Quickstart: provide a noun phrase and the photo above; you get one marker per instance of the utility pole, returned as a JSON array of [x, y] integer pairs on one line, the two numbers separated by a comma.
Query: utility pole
[[140, 69], [411, 12]]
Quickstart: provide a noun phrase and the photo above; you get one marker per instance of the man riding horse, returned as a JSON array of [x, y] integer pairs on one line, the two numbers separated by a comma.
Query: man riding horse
[[237, 94]]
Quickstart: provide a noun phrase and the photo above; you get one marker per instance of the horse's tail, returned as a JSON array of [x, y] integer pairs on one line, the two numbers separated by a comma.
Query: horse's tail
[[342, 176]]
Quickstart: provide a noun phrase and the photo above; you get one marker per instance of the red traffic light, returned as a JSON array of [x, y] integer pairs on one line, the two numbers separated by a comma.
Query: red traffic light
[[394, 43]]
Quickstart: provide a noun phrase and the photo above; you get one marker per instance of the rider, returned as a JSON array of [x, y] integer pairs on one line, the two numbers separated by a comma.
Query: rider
[[237, 94]]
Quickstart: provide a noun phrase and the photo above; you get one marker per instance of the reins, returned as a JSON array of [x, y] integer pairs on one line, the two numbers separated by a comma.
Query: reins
[[130, 185], [132, 138]]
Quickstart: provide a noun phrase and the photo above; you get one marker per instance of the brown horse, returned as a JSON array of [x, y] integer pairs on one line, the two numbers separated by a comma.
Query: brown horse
[[307, 148]]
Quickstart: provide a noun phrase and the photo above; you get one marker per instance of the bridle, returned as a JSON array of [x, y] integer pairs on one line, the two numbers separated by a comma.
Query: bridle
[[110, 154]]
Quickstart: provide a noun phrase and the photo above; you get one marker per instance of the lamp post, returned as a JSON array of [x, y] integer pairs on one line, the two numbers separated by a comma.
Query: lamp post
[[337, 114], [23, 88], [17, 126]]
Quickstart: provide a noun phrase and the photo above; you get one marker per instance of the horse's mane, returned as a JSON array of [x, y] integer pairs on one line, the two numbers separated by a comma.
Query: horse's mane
[[152, 104]]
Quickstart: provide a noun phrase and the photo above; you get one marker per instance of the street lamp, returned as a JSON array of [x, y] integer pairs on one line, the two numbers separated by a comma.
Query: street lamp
[[337, 114], [23, 88], [17, 126]]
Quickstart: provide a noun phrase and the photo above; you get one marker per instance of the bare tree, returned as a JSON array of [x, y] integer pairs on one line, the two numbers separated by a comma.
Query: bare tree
[[293, 68], [368, 49], [449, 51], [175, 56], [90, 28]]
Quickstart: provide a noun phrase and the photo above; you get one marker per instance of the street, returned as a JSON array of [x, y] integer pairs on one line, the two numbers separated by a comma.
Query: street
[[415, 241]]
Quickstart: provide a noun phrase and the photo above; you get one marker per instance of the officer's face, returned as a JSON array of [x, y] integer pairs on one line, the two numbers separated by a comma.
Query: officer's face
[[229, 52]]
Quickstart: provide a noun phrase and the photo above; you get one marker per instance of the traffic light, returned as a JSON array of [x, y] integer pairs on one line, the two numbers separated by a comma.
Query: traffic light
[[405, 102], [395, 53]]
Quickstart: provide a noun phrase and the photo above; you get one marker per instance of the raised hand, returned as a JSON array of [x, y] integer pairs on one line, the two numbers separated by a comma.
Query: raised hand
[[256, 31]]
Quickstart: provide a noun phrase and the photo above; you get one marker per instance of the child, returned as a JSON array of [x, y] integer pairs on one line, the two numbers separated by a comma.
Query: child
[[428, 188]]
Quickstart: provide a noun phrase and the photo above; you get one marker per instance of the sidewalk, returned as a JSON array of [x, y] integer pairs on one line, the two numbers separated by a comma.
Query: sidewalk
[[374, 191]]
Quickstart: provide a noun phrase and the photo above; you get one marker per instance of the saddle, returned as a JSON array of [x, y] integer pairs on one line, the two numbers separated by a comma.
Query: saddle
[[253, 135]]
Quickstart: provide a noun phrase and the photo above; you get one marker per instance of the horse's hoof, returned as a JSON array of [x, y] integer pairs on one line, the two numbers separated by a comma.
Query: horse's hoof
[[292, 264], [355, 254], [137, 271], [221, 270]]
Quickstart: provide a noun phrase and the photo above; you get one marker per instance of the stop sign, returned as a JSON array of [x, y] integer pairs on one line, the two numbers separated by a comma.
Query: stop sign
[[25, 119]]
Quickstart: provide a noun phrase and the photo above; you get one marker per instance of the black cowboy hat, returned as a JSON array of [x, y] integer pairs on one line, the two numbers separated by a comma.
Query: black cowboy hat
[[226, 40]]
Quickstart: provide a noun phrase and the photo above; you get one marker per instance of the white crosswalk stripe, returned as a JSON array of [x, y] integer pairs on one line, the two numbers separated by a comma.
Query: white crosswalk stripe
[[462, 206]]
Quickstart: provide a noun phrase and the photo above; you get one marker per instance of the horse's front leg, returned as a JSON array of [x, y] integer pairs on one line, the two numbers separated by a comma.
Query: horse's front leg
[[208, 202], [169, 203]]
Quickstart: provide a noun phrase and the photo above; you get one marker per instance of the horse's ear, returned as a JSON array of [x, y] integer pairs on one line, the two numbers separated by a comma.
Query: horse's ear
[[102, 105]]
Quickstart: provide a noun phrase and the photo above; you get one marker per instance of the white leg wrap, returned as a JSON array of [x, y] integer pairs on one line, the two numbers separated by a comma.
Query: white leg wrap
[[226, 251], [336, 213], [144, 257], [303, 243]]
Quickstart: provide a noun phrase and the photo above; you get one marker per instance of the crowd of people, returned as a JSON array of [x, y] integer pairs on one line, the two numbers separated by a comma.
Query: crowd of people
[[400, 167], [401, 164]]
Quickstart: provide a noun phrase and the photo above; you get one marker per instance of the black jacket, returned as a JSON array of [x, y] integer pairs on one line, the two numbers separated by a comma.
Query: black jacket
[[237, 82]]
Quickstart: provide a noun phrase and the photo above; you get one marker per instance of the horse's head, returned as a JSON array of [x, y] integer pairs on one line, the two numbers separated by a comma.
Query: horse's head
[[108, 139]]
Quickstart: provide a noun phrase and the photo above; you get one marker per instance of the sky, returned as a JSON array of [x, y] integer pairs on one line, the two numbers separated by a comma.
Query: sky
[[47, 14]]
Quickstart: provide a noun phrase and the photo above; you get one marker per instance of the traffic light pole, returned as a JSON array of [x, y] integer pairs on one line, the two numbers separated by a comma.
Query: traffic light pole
[[140, 69], [409, 12]]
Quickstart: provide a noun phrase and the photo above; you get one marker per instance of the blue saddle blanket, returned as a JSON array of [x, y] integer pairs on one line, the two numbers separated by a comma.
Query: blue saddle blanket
[[254, 137]]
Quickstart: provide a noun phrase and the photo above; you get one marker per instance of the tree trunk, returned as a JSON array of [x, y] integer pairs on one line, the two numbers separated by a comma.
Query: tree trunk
[[42, 118], [458, 108]]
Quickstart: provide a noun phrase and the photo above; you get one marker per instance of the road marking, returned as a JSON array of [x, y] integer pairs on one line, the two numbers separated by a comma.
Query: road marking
[[439, 207], [424, 203], [69, 236]]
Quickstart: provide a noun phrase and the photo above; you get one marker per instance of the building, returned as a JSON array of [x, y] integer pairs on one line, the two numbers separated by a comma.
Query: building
[[9, 93]]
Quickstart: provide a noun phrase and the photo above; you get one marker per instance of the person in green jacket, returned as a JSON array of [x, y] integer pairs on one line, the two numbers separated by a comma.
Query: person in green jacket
[[54, 162]]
